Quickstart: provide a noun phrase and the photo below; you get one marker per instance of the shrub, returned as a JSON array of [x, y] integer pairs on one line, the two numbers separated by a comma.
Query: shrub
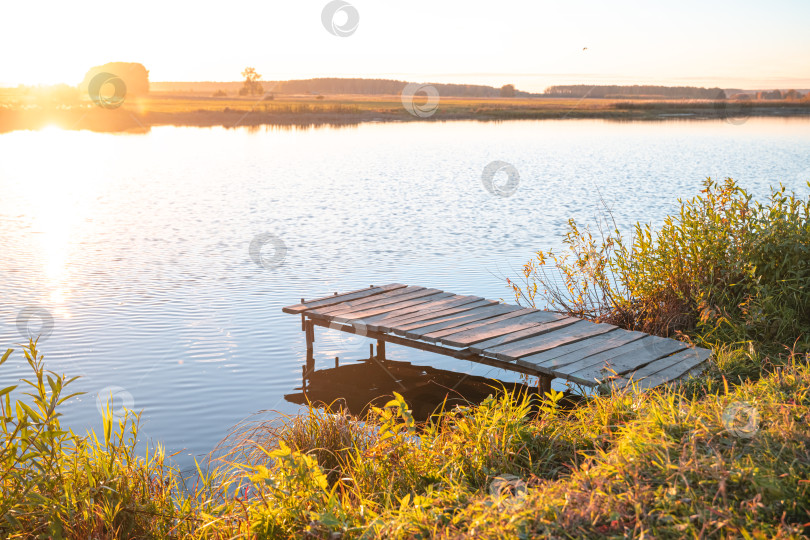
[[725, 269]]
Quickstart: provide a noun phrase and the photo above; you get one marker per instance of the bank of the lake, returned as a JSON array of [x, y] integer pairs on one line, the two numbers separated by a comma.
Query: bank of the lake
[[167, 109]]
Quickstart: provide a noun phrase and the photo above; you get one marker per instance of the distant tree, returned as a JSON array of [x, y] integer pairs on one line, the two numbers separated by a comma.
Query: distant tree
[[508, 90], [793, 94], [773, 94], [220, 93], [251, 86], [134, 75], [602, 91]]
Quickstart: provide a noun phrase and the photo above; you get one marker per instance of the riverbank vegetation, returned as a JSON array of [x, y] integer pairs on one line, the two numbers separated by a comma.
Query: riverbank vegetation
[[67, 108], [726, 454], [727, 271]]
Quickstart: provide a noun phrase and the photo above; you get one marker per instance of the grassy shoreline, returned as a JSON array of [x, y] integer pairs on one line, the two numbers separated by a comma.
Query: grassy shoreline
[[158, 109], [731, 463]]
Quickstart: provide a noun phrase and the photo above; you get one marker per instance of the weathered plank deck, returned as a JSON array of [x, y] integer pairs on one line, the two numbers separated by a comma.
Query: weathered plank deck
[[542, 343]]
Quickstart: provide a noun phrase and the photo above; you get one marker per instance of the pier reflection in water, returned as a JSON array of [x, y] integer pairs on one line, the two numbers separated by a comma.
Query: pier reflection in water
[[361, 385]]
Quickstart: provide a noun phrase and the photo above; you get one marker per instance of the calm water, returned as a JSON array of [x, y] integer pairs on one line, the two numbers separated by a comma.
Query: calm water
[[138, 245]]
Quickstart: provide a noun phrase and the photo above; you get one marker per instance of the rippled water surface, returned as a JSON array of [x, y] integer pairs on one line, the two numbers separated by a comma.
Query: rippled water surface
[[138, 245]]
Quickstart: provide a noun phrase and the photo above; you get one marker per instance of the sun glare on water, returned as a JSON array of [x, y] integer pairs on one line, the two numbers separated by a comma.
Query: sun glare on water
[[52, 186]]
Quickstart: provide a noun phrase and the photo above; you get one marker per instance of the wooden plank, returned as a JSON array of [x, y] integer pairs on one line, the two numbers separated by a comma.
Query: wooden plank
[[438, 334], [443, 317], [479, 348], [436, 313], [433, 306], [477, 314], [336, 299], [344, 306], [428, 295], [382, 322], [414, 307], [419, 330], [579, 350], [669, 368], [413, 320], [599, 359], [384, 300], [637, 355], [500, 328], [575, 332]]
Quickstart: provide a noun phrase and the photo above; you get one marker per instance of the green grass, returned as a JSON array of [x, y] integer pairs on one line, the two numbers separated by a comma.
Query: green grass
[[723, 455], [733, 463]]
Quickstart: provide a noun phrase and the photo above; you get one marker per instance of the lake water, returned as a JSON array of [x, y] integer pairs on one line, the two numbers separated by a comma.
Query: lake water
[[138, 245]]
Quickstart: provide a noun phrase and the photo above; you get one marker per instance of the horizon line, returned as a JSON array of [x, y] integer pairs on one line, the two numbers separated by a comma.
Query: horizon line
[[608, 80]]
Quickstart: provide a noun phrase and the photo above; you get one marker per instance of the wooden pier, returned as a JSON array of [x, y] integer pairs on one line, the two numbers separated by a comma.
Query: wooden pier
[[535, 342]]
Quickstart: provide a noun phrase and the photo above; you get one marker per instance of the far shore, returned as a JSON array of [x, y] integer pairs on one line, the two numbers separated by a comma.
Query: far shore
[[189, 109]]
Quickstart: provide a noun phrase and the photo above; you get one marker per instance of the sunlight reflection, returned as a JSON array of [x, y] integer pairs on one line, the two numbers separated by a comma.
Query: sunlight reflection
[[53, 187]]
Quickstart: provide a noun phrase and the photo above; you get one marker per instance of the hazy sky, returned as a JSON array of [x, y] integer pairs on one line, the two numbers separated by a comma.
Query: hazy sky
[[747, 44]]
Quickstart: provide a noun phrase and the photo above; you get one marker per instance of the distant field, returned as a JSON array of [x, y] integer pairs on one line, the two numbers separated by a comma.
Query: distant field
[[20, 111]]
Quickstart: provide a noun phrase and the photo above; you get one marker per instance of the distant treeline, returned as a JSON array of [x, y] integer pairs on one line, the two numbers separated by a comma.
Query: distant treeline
[[381, 86], [666, 92], [332, 86]]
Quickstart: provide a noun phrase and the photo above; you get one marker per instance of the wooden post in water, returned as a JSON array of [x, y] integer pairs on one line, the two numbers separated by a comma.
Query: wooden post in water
[[381, 350], [543, 385], [310, 337]]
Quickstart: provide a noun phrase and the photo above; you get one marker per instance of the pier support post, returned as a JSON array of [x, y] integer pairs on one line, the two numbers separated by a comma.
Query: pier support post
[[381, 350], [544, 384], [309, 330]]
